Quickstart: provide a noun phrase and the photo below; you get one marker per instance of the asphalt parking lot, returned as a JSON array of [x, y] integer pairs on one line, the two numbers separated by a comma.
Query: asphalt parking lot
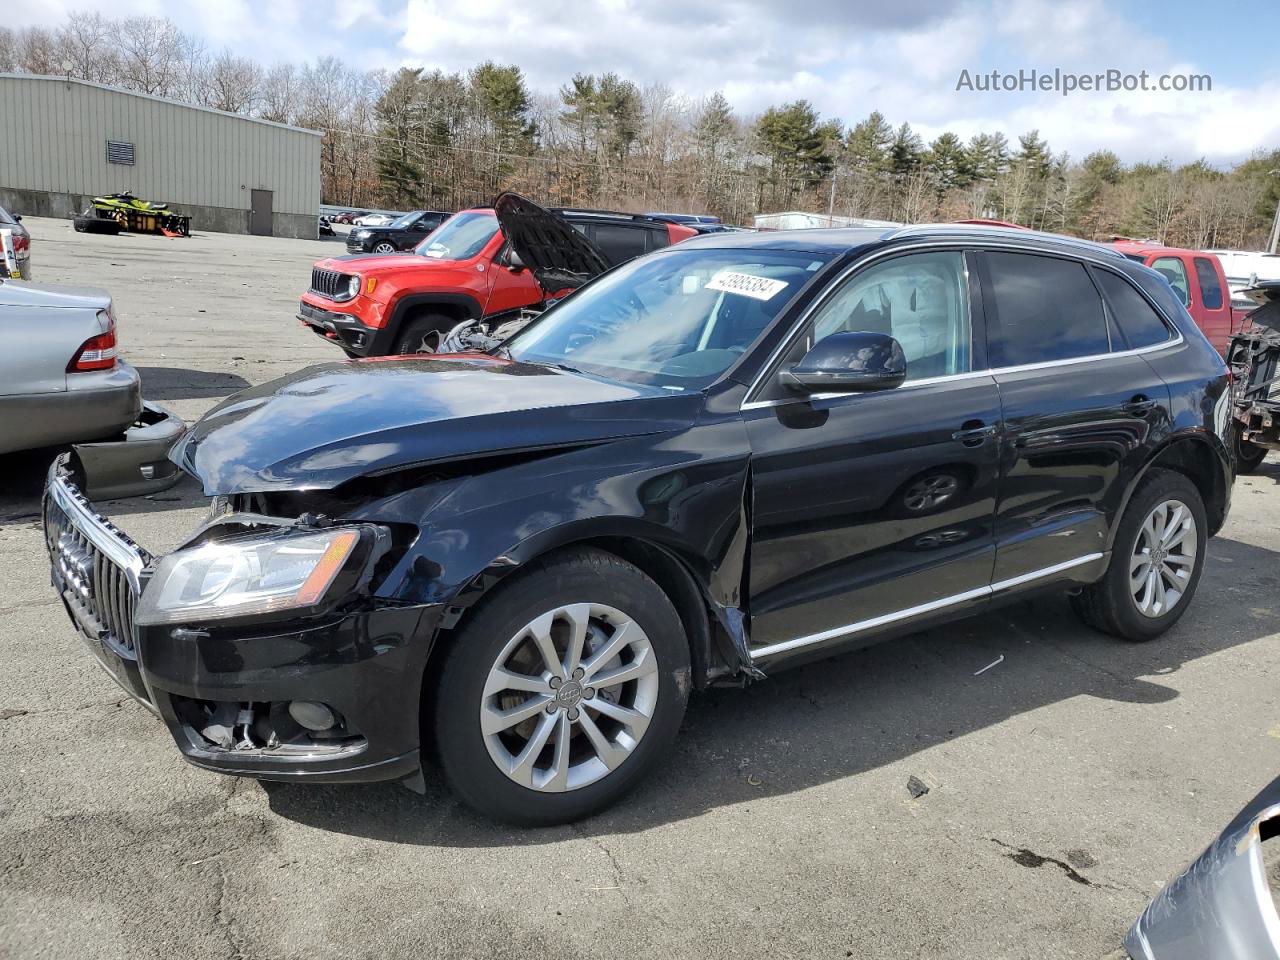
[[1066, 783]]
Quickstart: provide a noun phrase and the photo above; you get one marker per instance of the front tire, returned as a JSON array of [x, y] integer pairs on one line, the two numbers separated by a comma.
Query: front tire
[[1157, 558], [423, 334], [384, 247], [562, 691]]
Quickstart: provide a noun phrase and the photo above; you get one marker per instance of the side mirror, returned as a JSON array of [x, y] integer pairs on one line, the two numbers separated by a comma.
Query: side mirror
[[17, 218], [849, 363], [514, 263]]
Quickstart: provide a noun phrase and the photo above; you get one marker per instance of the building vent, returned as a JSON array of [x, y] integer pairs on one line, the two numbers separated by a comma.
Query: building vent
[[119, 152]]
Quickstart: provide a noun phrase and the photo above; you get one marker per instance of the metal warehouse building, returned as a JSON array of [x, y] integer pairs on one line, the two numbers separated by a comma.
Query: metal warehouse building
[[65, 141]]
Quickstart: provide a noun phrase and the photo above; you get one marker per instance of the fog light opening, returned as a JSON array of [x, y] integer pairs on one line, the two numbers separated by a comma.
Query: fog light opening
[[316, 717]]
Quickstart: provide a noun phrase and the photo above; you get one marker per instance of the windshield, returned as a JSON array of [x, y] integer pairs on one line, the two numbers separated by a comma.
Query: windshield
[[460, 237], [676, 320]]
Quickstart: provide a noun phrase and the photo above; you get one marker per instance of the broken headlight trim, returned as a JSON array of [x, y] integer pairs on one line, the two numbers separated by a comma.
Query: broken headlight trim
[[245, 577]]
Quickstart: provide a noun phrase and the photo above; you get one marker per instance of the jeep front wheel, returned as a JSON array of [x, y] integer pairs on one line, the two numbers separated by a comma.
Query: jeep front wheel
[[423, 334]]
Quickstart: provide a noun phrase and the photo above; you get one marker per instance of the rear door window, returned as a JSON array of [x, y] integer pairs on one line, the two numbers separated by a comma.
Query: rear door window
[[1172, 269], [1138, 321], [621, 242], [1210, 288], [1043, 309]]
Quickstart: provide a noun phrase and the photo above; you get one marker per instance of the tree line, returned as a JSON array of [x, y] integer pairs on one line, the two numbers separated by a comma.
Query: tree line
[[430, 138]]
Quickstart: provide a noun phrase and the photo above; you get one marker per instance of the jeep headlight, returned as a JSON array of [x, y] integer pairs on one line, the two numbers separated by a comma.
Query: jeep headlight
[[246, 576]]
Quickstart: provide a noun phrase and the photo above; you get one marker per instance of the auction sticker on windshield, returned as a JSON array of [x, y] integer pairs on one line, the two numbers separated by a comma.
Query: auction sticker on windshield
[[758, 288]]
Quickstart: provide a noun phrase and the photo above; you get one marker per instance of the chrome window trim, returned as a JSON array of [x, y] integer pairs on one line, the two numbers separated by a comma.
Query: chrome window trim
[[907, 613], [950, 243]]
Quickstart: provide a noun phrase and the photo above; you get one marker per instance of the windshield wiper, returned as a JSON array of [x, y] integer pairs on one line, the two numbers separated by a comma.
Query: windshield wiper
[[559, 366]]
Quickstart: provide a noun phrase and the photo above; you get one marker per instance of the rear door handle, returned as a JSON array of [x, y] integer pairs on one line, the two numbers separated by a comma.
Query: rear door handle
[[974, 436]]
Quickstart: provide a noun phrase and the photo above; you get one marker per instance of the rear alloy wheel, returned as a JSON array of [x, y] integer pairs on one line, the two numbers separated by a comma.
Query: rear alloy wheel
[[384, 247], [1157, 557], [1163, 558], [562, 691]]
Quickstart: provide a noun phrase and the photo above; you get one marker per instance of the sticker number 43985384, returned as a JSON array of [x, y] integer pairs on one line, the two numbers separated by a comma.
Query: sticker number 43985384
[[749, 285]]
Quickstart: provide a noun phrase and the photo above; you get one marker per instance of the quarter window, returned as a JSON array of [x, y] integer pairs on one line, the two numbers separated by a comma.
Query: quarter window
[[921, 300], [1210, 288], [1171, 269], [1044, 309], [1140, 324]]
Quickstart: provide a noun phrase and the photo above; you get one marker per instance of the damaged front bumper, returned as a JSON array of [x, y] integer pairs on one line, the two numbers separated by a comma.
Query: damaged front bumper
[[228, 693], [136, 465], [1221, 907]]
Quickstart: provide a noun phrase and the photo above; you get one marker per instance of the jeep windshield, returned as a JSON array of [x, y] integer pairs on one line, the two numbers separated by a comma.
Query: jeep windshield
[[676, 320], [460, 237]]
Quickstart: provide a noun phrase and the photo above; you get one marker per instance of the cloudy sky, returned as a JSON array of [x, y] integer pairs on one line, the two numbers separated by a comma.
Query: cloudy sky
[[902, 57]]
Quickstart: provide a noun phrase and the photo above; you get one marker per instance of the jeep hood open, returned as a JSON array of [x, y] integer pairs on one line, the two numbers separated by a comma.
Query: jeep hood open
[[320, 427], [556, 254]]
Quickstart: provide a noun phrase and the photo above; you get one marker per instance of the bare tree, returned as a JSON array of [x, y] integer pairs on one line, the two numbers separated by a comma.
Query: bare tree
[[232, 83], [281, 96], [152, 55], [85, 45]]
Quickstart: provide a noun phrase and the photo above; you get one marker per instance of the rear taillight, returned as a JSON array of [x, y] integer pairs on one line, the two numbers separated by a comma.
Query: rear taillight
[[21, 243], [96, 353]]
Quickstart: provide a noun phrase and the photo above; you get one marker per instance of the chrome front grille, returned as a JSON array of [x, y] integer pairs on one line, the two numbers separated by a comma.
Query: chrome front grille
[[330, 283], [95, 567]]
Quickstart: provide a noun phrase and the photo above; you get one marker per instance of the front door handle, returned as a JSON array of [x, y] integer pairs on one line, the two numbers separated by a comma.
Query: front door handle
[[974, 433], [1140, 405]]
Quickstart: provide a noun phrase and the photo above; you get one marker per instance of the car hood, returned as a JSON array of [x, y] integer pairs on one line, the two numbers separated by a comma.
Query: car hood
[[19, 294], [367, 263], [331, 423], [556, 254]]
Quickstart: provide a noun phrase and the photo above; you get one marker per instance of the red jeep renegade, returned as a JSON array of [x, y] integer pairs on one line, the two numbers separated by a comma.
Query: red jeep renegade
[[385, 305]]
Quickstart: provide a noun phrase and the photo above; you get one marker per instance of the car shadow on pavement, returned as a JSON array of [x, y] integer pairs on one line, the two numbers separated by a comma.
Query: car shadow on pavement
[[851, 714], [183, 383]]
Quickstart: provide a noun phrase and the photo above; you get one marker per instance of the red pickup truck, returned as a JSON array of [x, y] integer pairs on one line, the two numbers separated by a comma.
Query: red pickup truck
[[399, 303], [1198, 279]]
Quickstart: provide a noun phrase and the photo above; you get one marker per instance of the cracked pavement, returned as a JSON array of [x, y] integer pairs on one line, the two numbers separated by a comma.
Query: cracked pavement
[[780, 827]]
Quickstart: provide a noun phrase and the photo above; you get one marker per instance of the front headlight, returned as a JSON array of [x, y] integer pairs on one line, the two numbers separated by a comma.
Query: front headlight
[[245, 576], [361, 234]]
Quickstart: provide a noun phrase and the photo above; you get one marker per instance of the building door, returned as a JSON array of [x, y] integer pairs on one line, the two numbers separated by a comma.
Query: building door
[[260, 213]]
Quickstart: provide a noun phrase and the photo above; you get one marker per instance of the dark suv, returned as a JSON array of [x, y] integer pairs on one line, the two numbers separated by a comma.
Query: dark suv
[[734, 455], [403, 233]]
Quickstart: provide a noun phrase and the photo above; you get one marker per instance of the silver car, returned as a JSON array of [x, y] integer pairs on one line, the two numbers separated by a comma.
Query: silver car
[[61, 382]]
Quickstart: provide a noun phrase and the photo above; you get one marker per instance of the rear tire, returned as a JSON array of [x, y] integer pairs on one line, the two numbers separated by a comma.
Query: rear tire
[[423, 333], [614, 730], [1137, 598]]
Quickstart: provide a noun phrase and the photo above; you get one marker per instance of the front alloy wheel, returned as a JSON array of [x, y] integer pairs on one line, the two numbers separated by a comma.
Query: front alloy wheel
[[1164, 557], [561, 690], [384, 247], [570, 697]]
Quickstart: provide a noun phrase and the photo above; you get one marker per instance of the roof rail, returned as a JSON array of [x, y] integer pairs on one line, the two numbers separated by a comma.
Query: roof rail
[[584, 211]]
